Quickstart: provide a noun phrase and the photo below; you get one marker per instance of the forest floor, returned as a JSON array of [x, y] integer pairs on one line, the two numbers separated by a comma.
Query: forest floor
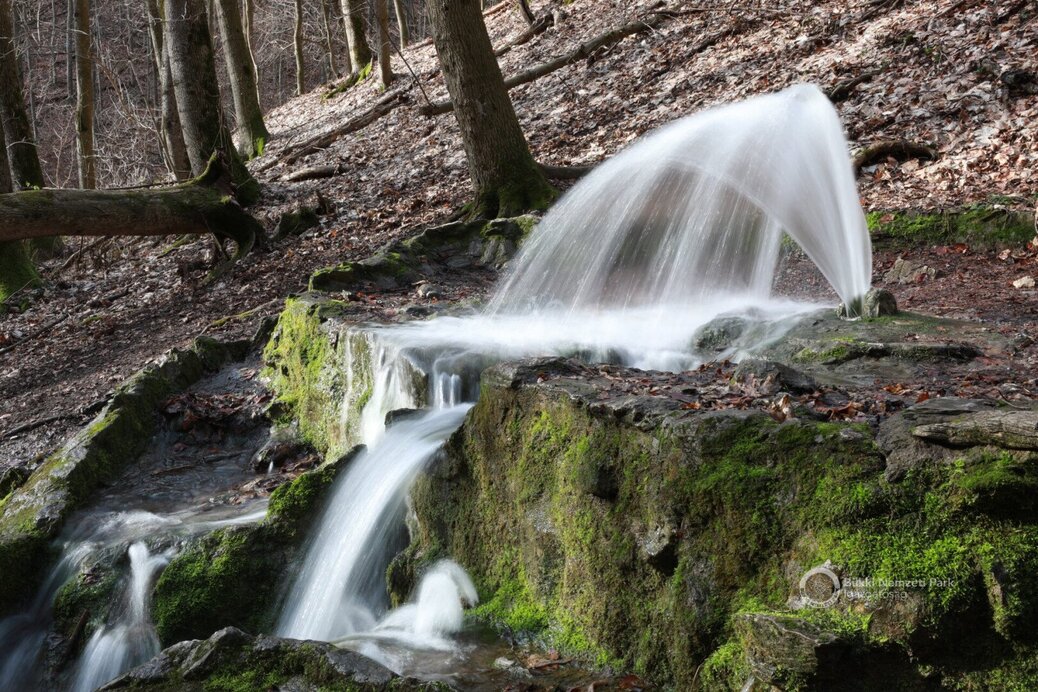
[[944, 76]]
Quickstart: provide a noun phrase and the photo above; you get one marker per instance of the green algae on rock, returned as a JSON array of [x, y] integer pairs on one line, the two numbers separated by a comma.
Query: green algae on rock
[[636, 534], [235, 576], [32, 514]]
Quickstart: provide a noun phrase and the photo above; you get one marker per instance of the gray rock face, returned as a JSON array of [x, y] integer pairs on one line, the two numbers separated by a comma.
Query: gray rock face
[[907, 272], [294, 664]]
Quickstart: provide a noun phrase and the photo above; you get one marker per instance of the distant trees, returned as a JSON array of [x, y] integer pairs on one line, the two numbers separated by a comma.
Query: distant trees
[[171, 137], [385, 48], [21, 145], [505, 177]]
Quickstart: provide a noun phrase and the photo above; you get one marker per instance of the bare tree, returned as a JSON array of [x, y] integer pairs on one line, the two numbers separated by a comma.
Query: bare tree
[[85, 98], [198, 93], [329, 39], [356, 30], [241, 74], [505, 178], [16, 270], [385, 48], [171, 138], [401, 23], [21, 144], [297, 41]]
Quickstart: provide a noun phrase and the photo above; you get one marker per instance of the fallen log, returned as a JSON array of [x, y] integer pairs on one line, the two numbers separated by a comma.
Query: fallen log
[[1005, 429], [564, 172], [842, 90], [899, 149], [294, 152], [581, 52], [202, 205]]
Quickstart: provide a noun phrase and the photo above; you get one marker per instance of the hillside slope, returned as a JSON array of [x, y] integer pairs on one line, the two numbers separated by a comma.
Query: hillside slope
[[941, 72]]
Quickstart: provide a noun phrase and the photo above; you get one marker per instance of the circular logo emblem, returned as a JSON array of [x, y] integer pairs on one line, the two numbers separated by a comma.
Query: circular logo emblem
[[820, 586]]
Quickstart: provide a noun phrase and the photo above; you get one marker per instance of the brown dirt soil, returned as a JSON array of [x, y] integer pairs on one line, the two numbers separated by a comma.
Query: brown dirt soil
[[117, 304]]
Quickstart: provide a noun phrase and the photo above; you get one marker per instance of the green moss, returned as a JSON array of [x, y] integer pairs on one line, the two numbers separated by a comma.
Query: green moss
[[16, 269], [725, 669], [981, 225]]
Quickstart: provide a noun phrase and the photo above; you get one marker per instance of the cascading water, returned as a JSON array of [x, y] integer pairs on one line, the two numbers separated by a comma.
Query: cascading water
[[696, 210], [131, 640], [685, 225]]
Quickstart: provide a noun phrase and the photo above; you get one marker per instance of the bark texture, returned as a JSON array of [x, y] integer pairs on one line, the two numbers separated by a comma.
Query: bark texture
[[85, 98], [198, 94], [329, 40], [198, 206], [241, 73], [505, 178], [16, 269], [21, 146], [385, 48], [356, 33], [171, 138]]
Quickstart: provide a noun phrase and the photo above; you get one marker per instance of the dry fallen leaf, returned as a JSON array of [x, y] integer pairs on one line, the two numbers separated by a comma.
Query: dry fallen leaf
[[1024, 282]]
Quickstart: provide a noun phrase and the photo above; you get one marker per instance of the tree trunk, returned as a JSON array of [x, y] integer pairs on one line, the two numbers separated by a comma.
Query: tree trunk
[[25, 163], [524, 9], [385, 49], [401, 23], [329, 39], [85, 98], [356, 27], [171, 137], [242, 77], [297, 40], [198, 94], [16, 269], [505, 178], [199, 206]]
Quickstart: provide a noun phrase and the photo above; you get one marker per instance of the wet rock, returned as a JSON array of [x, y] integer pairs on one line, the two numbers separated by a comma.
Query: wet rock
[[260, 663], [877, 302], [10, 478], [785, 650], [782, 376], [720, 334], [908, 272], [905, 451], [397, 415], [282, 446], [429, 291]]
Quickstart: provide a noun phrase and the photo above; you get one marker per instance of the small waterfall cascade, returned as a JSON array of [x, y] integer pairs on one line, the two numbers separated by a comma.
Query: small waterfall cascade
[[340, 590], [131, 640]]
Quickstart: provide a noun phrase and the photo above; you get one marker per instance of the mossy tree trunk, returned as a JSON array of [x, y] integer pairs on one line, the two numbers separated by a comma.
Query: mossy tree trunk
[[25, 162], [241, 73], [505, 177], [199, 206], [85, 98], [171, 137], [385, 49], [16, 269], [356, 33], [193, 68]]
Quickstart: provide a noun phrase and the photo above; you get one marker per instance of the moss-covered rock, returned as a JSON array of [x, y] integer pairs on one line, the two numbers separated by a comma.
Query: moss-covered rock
[[233, 661], [981, 225], [234, 577], [34, 513], [445, 248], [641, 535], [322, 369]]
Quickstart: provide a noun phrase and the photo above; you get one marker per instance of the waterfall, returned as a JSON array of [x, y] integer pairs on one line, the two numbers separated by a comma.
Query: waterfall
[[131, 639], [696, 210], [339, 590]]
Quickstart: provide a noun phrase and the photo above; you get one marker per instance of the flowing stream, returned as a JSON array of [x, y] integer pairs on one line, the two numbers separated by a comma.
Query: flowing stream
[[684, 226]]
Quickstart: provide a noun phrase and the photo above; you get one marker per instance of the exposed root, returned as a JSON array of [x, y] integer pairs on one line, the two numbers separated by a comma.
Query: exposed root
[[900, 149]]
